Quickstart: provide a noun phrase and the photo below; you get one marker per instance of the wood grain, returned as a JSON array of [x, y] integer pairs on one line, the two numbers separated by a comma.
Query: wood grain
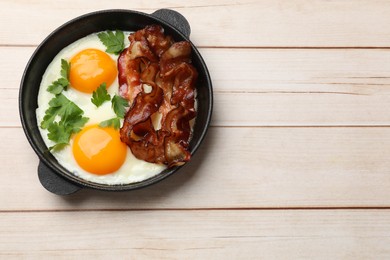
[[295, 165], [269, 87], [257, 168], [224, 23], [197, 234]]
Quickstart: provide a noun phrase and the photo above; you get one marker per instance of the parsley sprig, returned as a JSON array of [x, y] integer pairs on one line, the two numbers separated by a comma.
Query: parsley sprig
[[119, 105], [71, 120], [113, 41], [100, 95], [112, 122], [62, 83], [63, 117]]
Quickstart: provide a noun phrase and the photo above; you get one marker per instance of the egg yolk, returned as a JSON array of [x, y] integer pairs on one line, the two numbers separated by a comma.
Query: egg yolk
[[90, 68], [99, 150]]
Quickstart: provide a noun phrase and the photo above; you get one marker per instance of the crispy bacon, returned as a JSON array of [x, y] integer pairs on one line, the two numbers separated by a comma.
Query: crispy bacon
[[154, 61], [138, 131], [129, 76], [177, 122]]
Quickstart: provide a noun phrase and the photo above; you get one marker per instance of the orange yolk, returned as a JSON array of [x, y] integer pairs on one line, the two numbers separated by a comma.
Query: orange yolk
[[90, 68], [99, 150]]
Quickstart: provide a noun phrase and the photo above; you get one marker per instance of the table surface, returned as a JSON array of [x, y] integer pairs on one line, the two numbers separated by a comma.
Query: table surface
[[295, 163]]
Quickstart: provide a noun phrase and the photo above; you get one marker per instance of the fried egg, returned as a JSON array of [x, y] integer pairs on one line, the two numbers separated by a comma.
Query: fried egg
[[95, 153]]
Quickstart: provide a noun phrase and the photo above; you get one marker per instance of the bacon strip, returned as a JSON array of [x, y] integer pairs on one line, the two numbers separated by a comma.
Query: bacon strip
[[153, 59]]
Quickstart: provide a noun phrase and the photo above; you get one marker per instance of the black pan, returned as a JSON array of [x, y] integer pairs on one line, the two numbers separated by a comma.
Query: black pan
[[52, 175]]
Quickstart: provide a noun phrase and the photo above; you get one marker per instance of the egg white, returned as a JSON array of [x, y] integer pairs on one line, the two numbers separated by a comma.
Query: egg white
[[133, 169]]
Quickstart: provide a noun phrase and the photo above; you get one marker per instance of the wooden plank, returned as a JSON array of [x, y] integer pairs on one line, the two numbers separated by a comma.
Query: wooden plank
[[236, 199], [267, 70], [303, 234], [269, 87], [270, 109], [261, 23], [257, 168], [299, 110], [305, 71]]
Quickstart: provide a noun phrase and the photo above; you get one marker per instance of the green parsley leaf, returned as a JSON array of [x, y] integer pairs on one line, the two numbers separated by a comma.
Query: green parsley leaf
[[62, 119], [65, 69], [57, 147], [112, 122], [114, 42], [58, 86], [119, 105], [53, 110], [76, 123], [100, 95], [59, 132], [62, 83]]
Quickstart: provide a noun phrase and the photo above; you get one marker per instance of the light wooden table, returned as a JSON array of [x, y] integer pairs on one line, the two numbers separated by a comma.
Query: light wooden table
[[296, 163]]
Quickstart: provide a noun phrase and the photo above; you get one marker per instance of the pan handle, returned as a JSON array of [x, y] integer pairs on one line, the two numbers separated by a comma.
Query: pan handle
[[175, 19], [55, 183]]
